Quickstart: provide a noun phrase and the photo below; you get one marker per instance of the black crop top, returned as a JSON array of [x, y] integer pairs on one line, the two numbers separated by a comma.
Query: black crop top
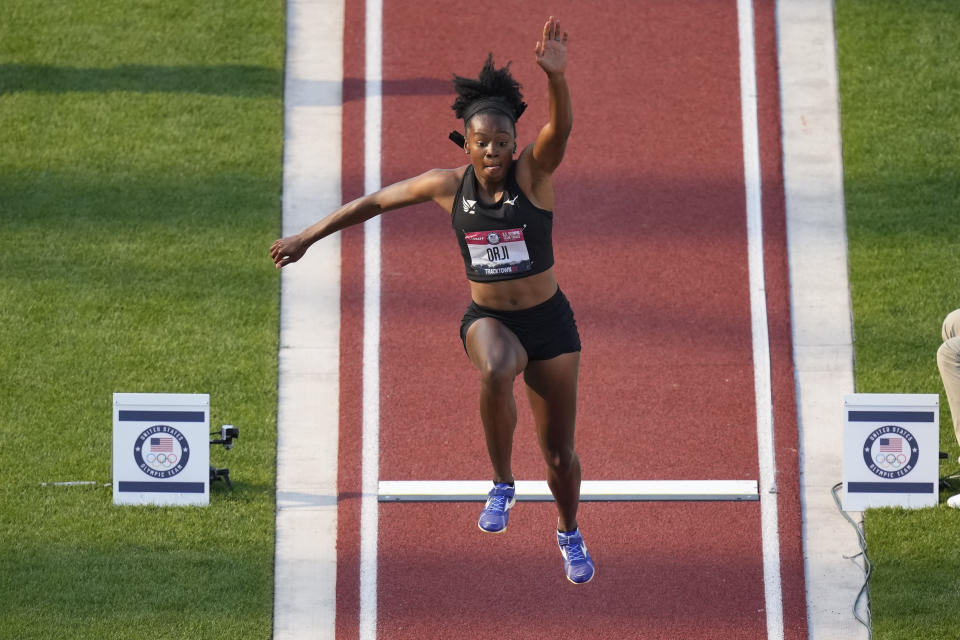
[[509, 239]]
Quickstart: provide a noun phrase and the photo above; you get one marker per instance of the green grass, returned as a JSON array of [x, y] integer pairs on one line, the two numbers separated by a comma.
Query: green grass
[[140, 177], [139, 187], [915, 585], [900, 84]]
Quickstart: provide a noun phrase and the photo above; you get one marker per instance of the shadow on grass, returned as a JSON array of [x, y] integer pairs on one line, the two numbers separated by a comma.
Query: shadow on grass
[[246, 81], [222, 80], [50, 199]]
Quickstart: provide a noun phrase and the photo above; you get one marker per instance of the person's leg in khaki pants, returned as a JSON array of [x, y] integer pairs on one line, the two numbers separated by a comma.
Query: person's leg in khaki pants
[[948, 361]]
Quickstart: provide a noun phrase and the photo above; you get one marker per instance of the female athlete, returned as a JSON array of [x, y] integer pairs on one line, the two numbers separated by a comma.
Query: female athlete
[[518, 321]]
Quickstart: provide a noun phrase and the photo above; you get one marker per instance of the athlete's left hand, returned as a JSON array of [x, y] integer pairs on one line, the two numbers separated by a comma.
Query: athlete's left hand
[[287, 250], [552, 48]]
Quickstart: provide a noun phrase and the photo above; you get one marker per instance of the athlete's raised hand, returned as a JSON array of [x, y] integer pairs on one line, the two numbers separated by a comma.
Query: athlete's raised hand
[[552, 48]]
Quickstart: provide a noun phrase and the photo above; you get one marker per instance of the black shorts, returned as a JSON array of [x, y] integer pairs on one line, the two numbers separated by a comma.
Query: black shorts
[[545, 330]]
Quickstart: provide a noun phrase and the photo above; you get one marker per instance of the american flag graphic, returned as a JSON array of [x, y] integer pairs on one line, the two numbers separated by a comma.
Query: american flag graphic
[[165, 445], [893, 445]]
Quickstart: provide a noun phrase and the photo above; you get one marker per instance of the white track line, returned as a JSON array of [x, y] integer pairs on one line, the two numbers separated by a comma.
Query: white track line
[[758, 311], [370, 457], [305, 568]]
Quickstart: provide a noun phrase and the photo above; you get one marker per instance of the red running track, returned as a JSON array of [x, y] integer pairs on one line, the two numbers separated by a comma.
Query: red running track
[[650, 245]]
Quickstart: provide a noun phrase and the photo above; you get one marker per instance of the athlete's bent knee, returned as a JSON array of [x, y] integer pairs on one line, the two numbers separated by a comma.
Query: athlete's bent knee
[[560, 460], [498, 375]]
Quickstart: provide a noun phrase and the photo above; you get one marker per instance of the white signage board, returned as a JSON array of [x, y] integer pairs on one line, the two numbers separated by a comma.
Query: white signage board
[[891, 450], [161, 448]]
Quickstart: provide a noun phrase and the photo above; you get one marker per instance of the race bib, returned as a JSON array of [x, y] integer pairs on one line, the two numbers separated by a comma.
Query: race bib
[[496, 252]]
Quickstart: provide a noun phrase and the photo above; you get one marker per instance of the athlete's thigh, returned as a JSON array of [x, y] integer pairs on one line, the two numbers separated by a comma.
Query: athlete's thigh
[[552, 391], [493, 347]]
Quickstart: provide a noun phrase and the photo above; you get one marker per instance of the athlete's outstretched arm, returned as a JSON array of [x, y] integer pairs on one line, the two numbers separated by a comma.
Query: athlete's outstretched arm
[[439, 185], [551, 52]]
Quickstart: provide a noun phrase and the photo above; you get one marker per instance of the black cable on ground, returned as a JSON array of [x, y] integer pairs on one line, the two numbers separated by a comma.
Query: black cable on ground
[[951, 481], [867, 565]]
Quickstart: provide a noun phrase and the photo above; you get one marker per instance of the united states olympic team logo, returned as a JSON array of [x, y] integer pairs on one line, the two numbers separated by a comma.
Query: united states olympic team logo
[[891, 452], [161, 451]]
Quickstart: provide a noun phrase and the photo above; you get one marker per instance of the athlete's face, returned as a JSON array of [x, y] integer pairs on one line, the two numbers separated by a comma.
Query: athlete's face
[[490, 142]]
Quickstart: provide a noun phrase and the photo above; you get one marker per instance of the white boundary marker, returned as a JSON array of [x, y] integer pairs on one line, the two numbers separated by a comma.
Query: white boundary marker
[[820, 305], [773, 595], [308, 391], [590, 490], [370, 456]]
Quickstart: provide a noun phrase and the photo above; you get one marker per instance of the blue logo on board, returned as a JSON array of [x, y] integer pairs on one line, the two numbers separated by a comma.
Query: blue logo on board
[[891, 452], [161, 451]]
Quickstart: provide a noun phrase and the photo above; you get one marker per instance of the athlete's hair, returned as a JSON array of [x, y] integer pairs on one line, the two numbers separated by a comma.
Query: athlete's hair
[[493, 90]]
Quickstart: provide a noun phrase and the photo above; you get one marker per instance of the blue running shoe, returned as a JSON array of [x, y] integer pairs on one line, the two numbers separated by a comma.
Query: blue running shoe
[[493, 518], [577, 563]]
